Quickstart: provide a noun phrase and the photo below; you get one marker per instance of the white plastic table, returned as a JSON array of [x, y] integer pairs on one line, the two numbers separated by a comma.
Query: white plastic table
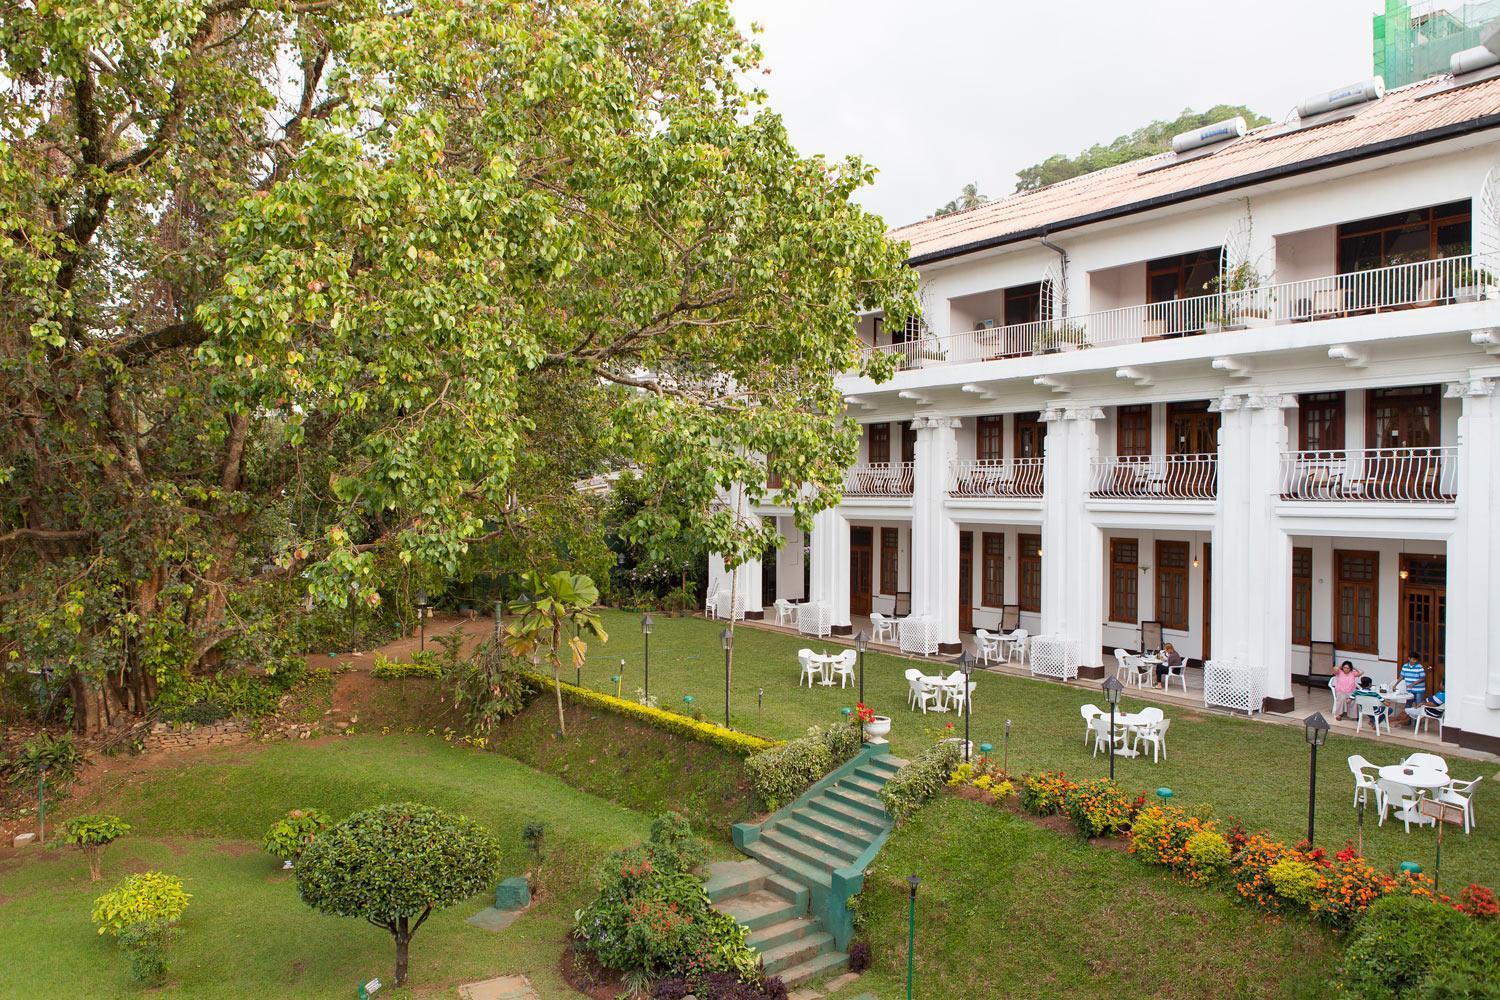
[[1422, 779], [948, 688], [825, 662]]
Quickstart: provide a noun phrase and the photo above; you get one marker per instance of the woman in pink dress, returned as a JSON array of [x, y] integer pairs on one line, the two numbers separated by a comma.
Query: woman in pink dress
[[1345, 680]]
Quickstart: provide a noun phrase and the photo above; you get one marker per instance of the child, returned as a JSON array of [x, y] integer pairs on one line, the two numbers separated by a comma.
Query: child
[[1366, 693]]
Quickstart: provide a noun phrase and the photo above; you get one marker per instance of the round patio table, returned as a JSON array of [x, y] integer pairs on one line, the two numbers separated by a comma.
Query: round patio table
[[1124, 722], [825, 663], [1422, 779], [948, 688]]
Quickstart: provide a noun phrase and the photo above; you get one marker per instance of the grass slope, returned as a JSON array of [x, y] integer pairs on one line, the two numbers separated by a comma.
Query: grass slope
[[1250, 770], [246, 933], [1010, 909]]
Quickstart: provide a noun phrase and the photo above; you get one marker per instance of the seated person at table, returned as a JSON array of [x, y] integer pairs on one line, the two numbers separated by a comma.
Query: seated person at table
[[1366, 692], [1433, 704], [1345, 680], [1169, 658], [1415, 676]]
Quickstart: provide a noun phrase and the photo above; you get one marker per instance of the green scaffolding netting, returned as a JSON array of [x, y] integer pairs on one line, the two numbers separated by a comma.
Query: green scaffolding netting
[[1413, 41]]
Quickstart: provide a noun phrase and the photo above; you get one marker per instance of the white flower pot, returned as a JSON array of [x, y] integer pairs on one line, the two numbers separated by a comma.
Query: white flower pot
[[879, 728]]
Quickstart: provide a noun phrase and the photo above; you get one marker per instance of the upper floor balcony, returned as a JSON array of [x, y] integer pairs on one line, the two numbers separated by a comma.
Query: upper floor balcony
[[1403, 475], [1155, 477], [879, 479], [1396, 287], [1020, 477]]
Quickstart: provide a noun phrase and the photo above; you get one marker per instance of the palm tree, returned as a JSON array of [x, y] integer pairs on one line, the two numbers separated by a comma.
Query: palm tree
[[968, 198]]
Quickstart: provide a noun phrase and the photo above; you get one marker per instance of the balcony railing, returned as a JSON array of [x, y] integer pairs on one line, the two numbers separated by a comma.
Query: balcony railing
[[1387, 289], [1021, 477], [1402, 475], [1156, 477], [879, 479]]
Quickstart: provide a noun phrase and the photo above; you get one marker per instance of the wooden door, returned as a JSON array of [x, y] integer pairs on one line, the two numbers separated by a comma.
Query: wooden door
[[966, 581], [861, 569], [1030, 434], [1192, 429], [768, 593], [1208, 599], [1424, 612]]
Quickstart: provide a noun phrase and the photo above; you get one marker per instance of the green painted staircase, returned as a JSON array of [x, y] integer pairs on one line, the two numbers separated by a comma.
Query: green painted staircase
[[806, 861]]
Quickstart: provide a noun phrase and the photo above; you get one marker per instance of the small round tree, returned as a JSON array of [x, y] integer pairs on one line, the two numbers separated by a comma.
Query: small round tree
[[92, 834], [289, 836], [393, 865]]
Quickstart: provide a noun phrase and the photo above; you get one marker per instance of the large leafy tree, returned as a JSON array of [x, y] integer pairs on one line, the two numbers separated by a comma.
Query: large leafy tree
[[1147, 140], [294, 291]]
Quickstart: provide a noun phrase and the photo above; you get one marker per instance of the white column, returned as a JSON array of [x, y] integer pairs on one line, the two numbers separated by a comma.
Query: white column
[[789, 561], [1252, 555], [1473, 653], [830, 565], [1072, 547], [934, 535]]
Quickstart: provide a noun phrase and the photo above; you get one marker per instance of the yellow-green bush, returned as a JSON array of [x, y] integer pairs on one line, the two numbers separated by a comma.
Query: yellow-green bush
[[145, 898]]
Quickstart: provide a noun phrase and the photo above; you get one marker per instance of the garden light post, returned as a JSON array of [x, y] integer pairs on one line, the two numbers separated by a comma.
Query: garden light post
[[499, 620], [1112, 689], [726, 637], [860, 642], [422, 618], [911, 930], [646, 624], [1315, 728], [966, 664], [1005, 763]]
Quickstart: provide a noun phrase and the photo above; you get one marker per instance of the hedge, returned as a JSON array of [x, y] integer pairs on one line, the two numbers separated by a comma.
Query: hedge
[[782, 773], [739, 744], [921, 779], [391, 670]]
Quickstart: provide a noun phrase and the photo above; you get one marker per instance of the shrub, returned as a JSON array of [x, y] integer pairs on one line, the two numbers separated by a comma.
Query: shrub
[[1478, 902], [1289, 887], [233, 694], [652, 916], [534, 836], [487, 687], [983, 775], [393, 865], [146, 950], [921, 779], [93, 834], [1099, 807], [859, 956], [289, 836], [673, 844], [58, 757], [199, 713], [1294, 879], [1347, 888], [149, 897], [1042, 794], [1188, 844], [1209, 854], [782, 773], [1407, 946], [391, 670]]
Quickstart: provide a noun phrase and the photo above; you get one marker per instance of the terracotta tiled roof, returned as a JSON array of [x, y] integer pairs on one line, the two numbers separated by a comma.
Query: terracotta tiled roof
[[1401, 114]]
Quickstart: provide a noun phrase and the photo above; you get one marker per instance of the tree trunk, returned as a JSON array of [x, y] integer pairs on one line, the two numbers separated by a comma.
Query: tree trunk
[[403, 939], [562, 725]]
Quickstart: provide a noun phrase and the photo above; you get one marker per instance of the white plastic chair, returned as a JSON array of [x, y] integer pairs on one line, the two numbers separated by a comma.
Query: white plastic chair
[[1154, 734], [1363, 783], [913, 688], [931, 695], [811, 672], [1340, 701], [1431, 760], [1394, 795], [989, 645], [1100, 727], [1460, 793], [1151, 714], [1369, 708], [959, 695], [711, 603], [1015, 645], [1124, 670], [1090, 712], [1178, 671], [784, 609], [843, 667], [883, 627], [1426, 713]]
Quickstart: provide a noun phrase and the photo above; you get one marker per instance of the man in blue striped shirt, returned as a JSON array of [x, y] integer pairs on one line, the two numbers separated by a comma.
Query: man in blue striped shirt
[[1415, 676]]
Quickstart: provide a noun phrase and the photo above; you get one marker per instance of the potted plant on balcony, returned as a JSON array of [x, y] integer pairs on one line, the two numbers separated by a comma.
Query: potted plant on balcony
[[1062, 336], [1473, 283], [877, 727], [1238, 302]]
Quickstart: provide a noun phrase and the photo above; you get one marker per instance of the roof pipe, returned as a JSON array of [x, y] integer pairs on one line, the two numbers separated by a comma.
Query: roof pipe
[[1063, 260]]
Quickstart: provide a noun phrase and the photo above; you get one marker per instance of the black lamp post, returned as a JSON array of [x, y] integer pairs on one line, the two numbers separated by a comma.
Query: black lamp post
[[422, 617], [646, 638], [1315, 728], [726, 637], [861, 641], [1112, 689], [911, 929], [966, 664]]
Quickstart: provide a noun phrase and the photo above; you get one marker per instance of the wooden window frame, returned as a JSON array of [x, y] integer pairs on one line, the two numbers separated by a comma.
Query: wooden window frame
[[890, 561], [1333, 408], [992, 569], [989, 438], [1302, 583], [1021, 423], [1434, 217], [908, 442], [1165, 575], [1029, 572], [1434, 398], [1182, 265], [1133, 430], [1341, 639], [1124, 597], [881, 434]]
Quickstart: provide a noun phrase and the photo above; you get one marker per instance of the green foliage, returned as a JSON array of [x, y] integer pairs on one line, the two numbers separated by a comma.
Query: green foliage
[[550, 604], [1209, 852], [1043, 793], [146, 945], [1144, 141], [653, 917], [534, 836], [1406, 946], [1099, 808], [673, 843], [93, 834], [968, 198], [385, 669], [920, 780], [56, 757], [488, 687], [782, 773], [144, 898], [393, 865], [289, 836], [227, 695]]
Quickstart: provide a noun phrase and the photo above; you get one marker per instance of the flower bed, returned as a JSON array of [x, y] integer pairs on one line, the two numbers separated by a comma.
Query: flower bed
[[1100, 808], [1042, 794]]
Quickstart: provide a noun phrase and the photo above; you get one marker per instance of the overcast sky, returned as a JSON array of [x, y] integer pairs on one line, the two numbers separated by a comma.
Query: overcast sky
[[942, 92]]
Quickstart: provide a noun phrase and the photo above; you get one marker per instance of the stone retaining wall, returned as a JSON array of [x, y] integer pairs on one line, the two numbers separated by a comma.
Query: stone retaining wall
[[184, 735]]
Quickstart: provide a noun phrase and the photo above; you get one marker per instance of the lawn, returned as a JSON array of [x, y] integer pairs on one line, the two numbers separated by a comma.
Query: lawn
[[1252, 771], [1004, 901], [246, 933]]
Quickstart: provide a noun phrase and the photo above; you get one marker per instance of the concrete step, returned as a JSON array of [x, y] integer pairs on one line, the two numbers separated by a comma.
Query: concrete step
[[835, 844], [759, 909], [727, 879], [788, 930], [791, 890], [877, 770], [847, 818], [796, 951], [831, 825], [869, 786], [816, 967], [863, 803], [809, 853], [790, 865]]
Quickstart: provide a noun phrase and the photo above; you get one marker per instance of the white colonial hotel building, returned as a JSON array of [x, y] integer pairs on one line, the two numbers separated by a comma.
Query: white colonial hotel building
[[1246, 390]]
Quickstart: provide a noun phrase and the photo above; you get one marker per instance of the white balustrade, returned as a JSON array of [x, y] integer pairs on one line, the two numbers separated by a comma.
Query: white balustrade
[[1021, 477], [879, 479], [1402, 475], [1156, 477]]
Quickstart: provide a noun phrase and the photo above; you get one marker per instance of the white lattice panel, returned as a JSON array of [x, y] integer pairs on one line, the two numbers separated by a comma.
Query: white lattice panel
[[1233, 685], [814, 619], [1054, 656], [918, 635]]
